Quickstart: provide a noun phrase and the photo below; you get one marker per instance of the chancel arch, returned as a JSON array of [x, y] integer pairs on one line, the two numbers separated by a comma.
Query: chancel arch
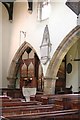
[[61, 51], [24, 68]]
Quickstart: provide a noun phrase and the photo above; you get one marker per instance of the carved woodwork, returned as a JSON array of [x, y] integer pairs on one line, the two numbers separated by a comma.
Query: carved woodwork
[[9, 7], [29, 72]]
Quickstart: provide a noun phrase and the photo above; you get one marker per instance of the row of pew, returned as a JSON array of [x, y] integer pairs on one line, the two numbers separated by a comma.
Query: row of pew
[[41, 107], [66, 100]]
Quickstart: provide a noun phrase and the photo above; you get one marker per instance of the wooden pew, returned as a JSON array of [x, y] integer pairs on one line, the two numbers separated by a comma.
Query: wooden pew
[[12, 92], [12, 100], [42, 98], [19, 103], [72, 114], [66, 100], [70, 96], [30, 109], [48, 97], [75, 104], [3, 97], [43, 112], [56, 99]]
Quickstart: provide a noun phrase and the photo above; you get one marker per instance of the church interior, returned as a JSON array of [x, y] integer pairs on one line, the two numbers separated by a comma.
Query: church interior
[[40, 60]]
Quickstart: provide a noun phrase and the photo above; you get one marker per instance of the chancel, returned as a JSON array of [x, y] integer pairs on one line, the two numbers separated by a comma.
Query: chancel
[[40, 60]]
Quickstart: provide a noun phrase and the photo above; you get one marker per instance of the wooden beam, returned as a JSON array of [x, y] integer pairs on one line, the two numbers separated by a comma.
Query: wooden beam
[[74, 6], [30, 5], [9, 7]]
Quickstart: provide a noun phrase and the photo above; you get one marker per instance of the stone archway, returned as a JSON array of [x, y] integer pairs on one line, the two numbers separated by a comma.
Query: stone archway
[[58, 56], [12, 70]]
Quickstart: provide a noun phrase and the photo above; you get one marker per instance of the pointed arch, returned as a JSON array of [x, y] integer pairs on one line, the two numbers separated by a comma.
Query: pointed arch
[[12, 70], [61, 51]]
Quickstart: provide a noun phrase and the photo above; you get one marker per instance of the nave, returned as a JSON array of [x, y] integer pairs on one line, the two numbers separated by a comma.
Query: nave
[[40, 84]]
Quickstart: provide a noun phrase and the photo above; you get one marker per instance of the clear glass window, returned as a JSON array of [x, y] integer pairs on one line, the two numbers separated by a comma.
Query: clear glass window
[[44, 10]]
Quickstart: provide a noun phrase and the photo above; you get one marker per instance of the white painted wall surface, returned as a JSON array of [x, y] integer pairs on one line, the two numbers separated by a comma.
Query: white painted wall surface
[[0, 45], [61, 21], [78, 19], [72, 78], [6, 42]]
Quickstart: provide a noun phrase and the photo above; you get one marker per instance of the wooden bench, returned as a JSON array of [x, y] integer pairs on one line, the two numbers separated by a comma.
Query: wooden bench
[[12, 100], [52, 96], [12, 92], [64, 100], [42, 98], [72, 114], [75, 104], [3, 97], [41, 112], [27, 110], [68, 101], [19, 103], [30, 109]]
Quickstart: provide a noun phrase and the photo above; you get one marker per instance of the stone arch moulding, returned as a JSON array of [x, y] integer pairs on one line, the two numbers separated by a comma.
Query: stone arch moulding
[[12, 70], [61, 51]]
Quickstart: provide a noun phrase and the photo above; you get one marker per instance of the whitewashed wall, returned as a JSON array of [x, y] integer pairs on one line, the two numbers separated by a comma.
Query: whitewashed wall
[[72, 78], [0, 45], [78, 19], [6, 41], [62, 20]]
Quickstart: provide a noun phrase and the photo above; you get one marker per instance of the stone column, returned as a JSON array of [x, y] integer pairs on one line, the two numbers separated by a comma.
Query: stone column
[[11, 82], [49, 85]]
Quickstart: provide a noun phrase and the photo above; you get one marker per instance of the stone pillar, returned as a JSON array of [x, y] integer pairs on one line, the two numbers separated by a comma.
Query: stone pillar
[[11, 82], [49, 85]]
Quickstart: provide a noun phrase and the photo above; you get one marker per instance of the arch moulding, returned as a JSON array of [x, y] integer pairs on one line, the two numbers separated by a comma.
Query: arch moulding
[[12, 70], [61, 51]]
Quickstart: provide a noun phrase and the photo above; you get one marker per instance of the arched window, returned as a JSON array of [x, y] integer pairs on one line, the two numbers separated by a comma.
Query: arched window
[[43, 10]]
